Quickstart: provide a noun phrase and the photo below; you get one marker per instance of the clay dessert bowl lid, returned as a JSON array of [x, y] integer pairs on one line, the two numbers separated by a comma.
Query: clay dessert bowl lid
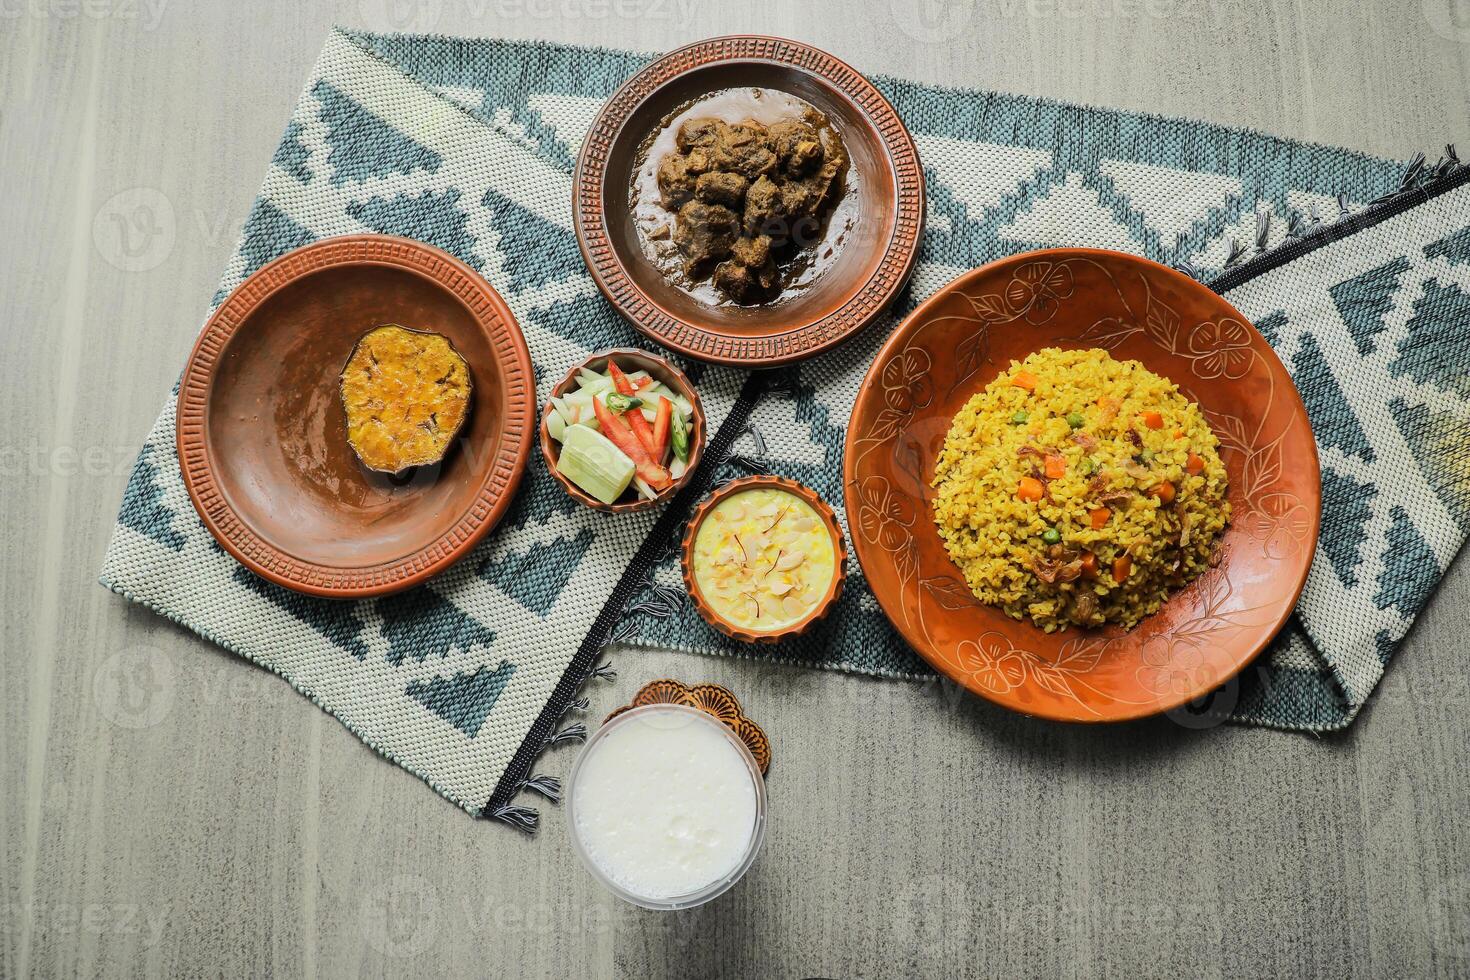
[[829, 523], [962, 338], [630, 359], [261, 427], [867, 270]]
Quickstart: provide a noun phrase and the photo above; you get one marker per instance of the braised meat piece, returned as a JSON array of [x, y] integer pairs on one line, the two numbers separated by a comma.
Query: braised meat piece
[[764, 210], [752, 251], [675, 182], [747, 198], [798, 146], [721, 187], [696, 133], [704, 233], [678, 174], [747, 284]]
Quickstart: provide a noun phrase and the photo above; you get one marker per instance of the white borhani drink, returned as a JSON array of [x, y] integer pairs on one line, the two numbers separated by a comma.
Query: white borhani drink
[[667, 806]]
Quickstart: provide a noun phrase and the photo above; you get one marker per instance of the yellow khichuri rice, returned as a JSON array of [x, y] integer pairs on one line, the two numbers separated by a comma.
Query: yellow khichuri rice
[[1079, 489]]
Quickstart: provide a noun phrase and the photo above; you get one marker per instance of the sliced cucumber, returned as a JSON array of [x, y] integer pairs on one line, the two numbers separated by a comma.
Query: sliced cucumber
[[593, 383], [593, 463], [556, 426]]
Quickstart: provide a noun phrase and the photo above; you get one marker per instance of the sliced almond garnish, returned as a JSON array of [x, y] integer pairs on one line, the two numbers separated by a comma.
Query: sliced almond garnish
[[790, 560]]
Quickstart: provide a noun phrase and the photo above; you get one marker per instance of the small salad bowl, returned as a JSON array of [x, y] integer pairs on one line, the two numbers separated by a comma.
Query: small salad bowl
[[591, 381]]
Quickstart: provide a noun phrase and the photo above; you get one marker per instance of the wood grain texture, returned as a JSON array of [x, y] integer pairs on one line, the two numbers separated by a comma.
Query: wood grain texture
[[915, 831]]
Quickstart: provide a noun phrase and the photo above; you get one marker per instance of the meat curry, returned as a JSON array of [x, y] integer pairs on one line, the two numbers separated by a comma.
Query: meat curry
[[742, 204]]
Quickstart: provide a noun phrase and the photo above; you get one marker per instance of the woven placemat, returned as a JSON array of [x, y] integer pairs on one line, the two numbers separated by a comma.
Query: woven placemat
[[469, 145]]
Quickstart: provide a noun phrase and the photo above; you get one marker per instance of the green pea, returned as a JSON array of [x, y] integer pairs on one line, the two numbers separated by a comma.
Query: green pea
[[1087, 466], [1020, 418], [1074, 419], [1147, 455], [1052, 536]]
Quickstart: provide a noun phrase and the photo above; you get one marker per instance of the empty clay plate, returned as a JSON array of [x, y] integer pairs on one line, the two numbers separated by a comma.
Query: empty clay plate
[[261, 428], [953, 346], [866, 271]]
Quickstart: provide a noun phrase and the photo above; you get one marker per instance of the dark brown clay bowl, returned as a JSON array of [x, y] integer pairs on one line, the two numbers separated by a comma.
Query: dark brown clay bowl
[[839, 564], [630, 359], [867, 272], [261, 430]]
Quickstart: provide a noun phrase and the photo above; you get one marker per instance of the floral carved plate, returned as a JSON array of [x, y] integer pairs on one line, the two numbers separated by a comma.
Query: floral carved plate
[[960, 339]]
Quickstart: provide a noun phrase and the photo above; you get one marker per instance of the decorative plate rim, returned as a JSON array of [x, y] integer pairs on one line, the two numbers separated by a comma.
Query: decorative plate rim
[[1262, 634], [666, 690], [237, 537], [796, 343]]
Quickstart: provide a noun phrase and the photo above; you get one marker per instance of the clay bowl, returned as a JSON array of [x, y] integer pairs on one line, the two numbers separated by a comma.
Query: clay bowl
[[261, 429], [829, 519], [630, 359], [957, 342], [869, 268]]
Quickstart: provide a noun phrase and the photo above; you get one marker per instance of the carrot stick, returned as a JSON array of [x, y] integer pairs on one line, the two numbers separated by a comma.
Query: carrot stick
[[661, 429], [635, 418], [652, 473]]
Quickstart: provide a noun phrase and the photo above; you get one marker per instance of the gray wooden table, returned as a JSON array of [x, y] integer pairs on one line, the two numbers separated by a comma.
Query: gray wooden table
[[224, 826]]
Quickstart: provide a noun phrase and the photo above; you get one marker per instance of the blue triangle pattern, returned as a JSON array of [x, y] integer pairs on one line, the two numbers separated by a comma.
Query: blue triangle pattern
[[1436, 350], [1271, 326], [432, 216], [1333, 421], [587, 320], [1410, 569], [1455, 247], [420, 623], [1345, 513], [142, 507], [463, 700], [1441, 446], [333, 619], [534, 250], [363, 145], [292, 154], [270, 234], [1363, 301], [536, 577]]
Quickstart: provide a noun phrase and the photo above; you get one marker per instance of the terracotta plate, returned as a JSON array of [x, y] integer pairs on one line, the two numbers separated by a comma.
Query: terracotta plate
[[867, 272], [960, 339], [261, 430]]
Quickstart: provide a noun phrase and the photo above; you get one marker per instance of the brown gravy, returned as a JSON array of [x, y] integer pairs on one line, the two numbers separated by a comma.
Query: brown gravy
[[713, 244]]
